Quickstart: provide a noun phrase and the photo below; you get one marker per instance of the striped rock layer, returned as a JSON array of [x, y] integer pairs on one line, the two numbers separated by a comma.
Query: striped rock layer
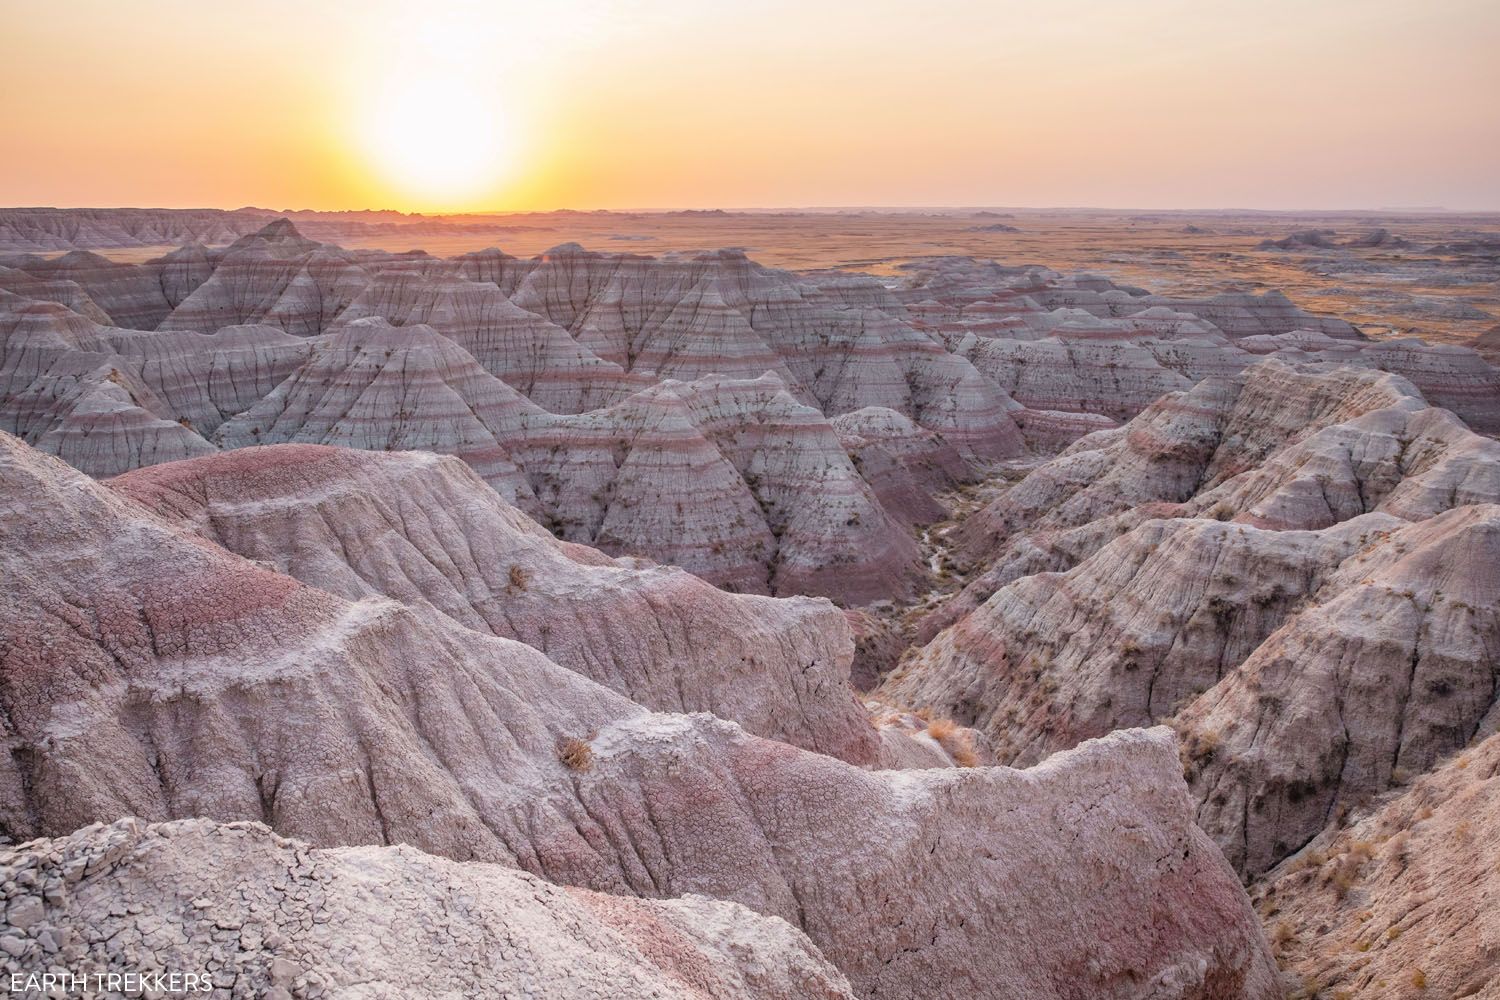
[[150, 672]]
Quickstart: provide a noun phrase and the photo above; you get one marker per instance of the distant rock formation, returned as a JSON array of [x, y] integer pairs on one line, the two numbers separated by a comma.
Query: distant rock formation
[[1305, 239]]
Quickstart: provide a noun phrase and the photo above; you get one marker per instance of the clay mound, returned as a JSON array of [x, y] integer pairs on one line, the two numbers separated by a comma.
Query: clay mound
[[1306, 239], [527, 352], [392, 921], [1402, 902], [161, 676], [274, 277], [904, 464], [382, 388], [131, 295], [428, 532]]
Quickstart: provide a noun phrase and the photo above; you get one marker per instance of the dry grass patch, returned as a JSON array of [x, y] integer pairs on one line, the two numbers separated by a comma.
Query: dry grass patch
[[575, 754]]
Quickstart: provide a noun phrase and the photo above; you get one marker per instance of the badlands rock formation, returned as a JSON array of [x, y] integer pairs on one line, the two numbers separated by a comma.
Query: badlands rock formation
[[260, 915], [557, 379], [1082, 344], [150, 672], [1403, 902], [424, 530], [1333, 637], [773, 433]]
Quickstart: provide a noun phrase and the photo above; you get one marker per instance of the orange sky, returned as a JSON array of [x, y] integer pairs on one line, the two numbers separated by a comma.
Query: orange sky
[[451, 106]]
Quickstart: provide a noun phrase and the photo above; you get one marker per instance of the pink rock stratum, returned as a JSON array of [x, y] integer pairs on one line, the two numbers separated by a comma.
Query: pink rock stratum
[[385, 624]]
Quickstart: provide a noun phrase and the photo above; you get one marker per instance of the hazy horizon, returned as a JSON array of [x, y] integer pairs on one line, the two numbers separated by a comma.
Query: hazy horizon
[[466, 108]]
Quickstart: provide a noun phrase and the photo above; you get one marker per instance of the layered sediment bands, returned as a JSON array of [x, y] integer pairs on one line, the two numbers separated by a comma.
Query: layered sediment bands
[[1167, 568], [134, 296], [17, 286], [684, 317], [1150, 622], [426, 531], [1404, 895], [904, 464], [227, 690], [390, 920], [527, 352], [377, 387], [731, 479], [1393, 670], [43, 229], [1081, 344], [275, 277], [1115, 380], [1182, 445]]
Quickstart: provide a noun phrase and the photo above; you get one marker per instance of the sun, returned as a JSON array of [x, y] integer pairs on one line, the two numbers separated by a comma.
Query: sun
[[438, 140]]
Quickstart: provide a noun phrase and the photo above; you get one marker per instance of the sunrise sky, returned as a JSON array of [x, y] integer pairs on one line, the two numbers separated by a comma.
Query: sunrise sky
[[457, 106]]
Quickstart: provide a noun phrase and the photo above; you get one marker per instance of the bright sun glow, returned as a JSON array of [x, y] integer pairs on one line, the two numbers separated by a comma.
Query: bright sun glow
[[438, 140]]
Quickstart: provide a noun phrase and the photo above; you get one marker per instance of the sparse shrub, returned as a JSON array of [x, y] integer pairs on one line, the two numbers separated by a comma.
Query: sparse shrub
[[1282, 934], [575, 754], [942, 730], [1346, 872], [520, 578], [956, 742], [1419, 979]]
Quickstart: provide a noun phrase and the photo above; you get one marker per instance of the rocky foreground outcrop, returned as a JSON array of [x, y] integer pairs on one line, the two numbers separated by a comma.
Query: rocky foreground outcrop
[[255, 914], [150, 672]]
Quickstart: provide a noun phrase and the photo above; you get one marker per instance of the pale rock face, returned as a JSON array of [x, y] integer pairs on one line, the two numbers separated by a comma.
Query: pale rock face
[[1114, 379], [427, 532], [226, 690], [1124, 639], [1182, 445], [1405, 895], [1322, 632], [1391, 671], [367, 921]]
